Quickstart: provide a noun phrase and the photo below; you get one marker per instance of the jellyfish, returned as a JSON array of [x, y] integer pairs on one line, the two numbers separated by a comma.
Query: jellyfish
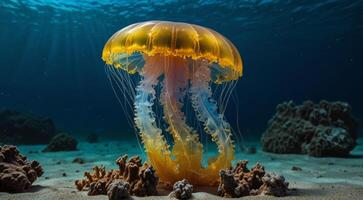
[[184, 61]]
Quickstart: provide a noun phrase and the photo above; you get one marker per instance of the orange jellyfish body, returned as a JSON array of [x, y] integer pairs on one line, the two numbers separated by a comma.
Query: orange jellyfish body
[[188, 58]]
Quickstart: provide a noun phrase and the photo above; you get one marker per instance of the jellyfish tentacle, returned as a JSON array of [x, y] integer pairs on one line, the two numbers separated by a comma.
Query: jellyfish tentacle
[[155, 144], [187, 149], [214, 122]]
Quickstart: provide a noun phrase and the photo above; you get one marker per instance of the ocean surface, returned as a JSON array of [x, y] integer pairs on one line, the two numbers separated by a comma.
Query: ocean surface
[[50, 55]]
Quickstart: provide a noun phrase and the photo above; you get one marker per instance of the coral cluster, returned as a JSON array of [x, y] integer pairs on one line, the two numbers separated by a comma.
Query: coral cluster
[[139, 179], [182, 190], [21, 128], [16, 172], [324, 129], [241, 181], [62, 142]]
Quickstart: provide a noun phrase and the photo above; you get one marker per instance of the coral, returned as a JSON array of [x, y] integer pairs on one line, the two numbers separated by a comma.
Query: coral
[[118, 189], [16, 172], [21, 128], [240, 181], [141, 178], [92, 138], [324, 129], [62, 142], [273, 184], [182, 190]]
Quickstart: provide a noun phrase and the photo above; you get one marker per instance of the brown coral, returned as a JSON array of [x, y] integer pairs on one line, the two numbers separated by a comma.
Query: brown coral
[[16, 172], [324, 129], [141, 178], [241, 181]]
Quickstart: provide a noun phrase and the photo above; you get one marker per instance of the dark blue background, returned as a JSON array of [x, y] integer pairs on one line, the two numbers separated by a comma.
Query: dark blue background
[[50, 52]]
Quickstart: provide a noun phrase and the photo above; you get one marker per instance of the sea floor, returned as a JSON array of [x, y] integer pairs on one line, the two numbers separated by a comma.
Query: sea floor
[[319, 178]]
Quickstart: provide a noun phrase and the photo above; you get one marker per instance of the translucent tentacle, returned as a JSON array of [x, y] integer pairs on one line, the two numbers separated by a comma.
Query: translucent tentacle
[[214, 123], [156, 146], [187, 149]]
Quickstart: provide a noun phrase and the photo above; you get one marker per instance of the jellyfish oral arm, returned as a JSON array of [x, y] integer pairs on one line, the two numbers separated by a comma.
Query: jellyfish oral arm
[[187, 149], [156, 147], [207, 112], [184, 159]]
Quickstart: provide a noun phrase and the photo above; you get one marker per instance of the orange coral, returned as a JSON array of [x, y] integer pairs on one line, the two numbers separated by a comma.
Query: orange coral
[[141, 178], [241, 181]]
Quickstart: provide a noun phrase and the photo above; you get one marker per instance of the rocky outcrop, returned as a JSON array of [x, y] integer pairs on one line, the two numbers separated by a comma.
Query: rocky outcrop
[[16, 173], [240, 181], [324, 129], [62, 142], [21, 128], [141, 178]]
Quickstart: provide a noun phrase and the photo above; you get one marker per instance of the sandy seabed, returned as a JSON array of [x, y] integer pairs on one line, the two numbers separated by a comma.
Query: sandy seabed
[[320, 178]]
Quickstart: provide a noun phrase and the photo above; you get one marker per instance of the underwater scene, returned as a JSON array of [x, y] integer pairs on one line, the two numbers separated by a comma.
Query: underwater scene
[[118, 99]]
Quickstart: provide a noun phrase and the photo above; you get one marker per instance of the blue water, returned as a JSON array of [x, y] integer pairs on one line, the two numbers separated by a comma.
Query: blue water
[[50, 52]]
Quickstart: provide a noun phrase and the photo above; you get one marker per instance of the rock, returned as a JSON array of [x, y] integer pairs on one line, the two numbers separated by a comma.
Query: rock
[[182, 190], [324, 129], [62, 142], [295, 168], [240, 181], [118, 189], [250, 150], [92, 138], [141, 178], [273, 184], [21, 128], [16, 172], [79, 161]]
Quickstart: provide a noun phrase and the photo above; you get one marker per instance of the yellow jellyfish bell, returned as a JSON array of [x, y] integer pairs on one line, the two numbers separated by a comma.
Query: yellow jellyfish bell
[[188, 58], [175, 39]]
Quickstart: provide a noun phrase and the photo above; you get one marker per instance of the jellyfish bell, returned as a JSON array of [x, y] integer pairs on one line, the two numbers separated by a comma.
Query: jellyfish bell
[[185, 59]]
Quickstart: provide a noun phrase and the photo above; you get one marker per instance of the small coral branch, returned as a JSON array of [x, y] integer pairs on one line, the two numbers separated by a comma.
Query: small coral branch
[[132, 178], [240, 181], [16, 173]]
